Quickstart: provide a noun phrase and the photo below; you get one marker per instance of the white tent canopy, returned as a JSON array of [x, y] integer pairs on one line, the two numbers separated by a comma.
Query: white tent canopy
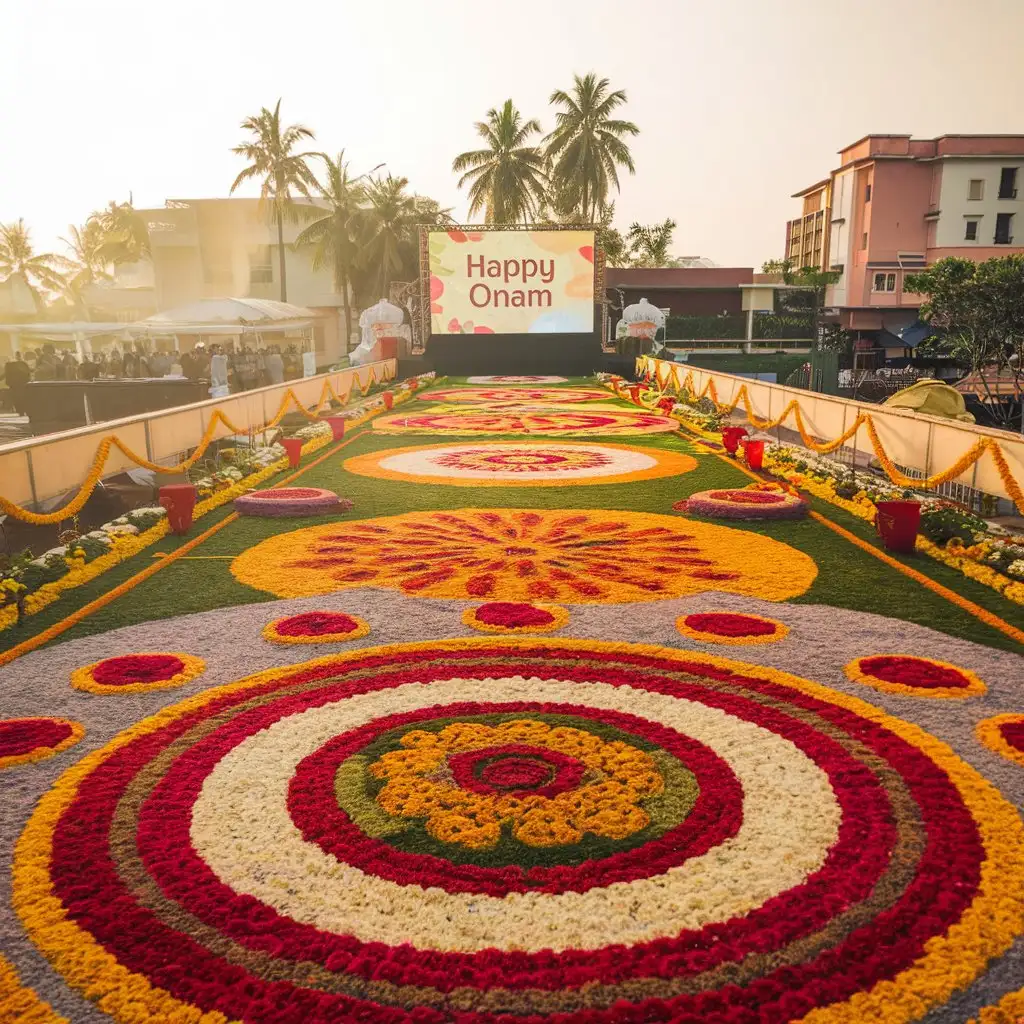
[[228, 316]]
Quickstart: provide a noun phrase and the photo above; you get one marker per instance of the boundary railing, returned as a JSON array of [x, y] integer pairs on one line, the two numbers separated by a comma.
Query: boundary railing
[[931, 451], [37, 470]]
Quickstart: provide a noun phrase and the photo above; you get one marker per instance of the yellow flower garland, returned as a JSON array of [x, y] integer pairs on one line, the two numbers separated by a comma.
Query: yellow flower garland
[[987, 928]]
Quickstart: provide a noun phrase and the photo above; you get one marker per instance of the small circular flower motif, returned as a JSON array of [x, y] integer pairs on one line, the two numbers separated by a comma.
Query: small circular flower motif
[[290, 501], [1005, 735], [316, 628], [915, 677], [23, 740], [515, 617], [550, 786], [731, 628], [137, 673], [744, 503]]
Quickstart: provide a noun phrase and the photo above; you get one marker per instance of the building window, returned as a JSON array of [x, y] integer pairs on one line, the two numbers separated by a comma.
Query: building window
[[1008, 183], [261, 267], [976, 189], [1004, 229], [867, 192], [971, 230], [884, 283]]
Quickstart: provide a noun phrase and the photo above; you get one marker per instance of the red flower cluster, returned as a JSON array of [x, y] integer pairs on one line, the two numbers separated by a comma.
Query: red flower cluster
[[137, 668], [910, 671], [729, 624], [516, 769], [1013, 733], [20, 736], [317, 624], [513, 615]]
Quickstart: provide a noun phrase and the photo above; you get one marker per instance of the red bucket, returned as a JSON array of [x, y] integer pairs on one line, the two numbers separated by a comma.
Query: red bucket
[[179, 500], [389, 400], [337, 427], [897, 523], [753, 452], [731, 438], [293, 446]]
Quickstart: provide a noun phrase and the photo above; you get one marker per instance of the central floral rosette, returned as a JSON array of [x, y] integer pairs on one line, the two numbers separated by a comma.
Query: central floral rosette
[[548, 785]]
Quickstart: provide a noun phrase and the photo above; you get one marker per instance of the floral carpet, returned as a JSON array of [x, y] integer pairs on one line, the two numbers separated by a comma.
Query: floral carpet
[[550, 752]]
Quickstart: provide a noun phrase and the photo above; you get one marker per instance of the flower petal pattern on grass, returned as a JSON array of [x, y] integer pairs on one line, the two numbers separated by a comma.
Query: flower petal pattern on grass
[[1005, 735], [527, 422], [505, 463], [586, 555], [744, 503], [792, 829], [321, 627], [137, 673], [513, 379], [915, 677], [497, 397], [731, 628], [24, 740], [515, 617]]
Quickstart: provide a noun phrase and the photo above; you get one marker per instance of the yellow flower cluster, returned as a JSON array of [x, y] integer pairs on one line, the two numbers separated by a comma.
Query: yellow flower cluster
[[606, 805]]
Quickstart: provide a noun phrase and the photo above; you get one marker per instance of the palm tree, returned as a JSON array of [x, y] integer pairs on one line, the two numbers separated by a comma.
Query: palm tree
[[283, 172], [587, 146], [87, 263], [335, 232], [506, 179], [17, 259], [649, 244], [391, 218], [125, 237]]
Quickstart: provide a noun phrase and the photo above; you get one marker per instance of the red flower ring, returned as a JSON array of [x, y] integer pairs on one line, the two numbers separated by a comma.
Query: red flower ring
[[731, 628], [290, 501], [516, 770], [740, 503], [23, 740], [515, 617], [915, 677], [1005, 735], [316, 628], [137, 673], [904, 868]]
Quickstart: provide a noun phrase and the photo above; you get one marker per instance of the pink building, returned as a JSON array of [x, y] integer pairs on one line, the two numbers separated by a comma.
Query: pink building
[[896, 204]]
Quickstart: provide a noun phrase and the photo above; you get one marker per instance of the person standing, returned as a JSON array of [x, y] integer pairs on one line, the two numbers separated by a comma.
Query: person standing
[[16, 376], [275, 366]]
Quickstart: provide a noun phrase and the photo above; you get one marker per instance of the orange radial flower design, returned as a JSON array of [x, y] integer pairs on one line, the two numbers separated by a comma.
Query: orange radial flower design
[[582, 556]]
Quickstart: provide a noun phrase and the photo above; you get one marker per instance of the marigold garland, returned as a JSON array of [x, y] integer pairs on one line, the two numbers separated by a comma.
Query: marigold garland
[[912, 676], [137, 673], [65, 732], [992, 732]]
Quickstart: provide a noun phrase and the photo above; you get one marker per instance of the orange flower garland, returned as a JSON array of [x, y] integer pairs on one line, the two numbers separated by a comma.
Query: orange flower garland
[[137, 673], [911, 676]]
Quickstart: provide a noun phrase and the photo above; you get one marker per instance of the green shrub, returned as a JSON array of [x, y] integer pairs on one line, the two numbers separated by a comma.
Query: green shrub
[[941, 523]]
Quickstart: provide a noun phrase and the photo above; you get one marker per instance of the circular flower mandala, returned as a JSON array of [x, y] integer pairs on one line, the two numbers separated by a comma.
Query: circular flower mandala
[[23, 740], [528, 555], [522, 465], [511, 379], [527, 422], [915, 677], [496, 397], [1005, 735], [731, 628], [137, 673], [515, 617], [565, 830], [290, 501], [315, 628], [742, 503]]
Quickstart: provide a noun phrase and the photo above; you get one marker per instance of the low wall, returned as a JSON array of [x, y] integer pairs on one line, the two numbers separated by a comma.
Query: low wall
[[927, 444], [39, 469]]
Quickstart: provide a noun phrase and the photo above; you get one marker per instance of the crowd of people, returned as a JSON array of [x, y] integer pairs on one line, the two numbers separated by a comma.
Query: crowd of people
[[236, 367]]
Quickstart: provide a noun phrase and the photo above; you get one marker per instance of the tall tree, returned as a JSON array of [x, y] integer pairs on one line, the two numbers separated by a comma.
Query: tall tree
[[649, 244], [506, 179], [587, 147], [390, 223], [283, 174], [124, 235], [334, 234], [87, 263], [19, 259]]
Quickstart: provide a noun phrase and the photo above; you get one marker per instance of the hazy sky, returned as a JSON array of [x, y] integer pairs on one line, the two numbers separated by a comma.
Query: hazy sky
[[740, 102]]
